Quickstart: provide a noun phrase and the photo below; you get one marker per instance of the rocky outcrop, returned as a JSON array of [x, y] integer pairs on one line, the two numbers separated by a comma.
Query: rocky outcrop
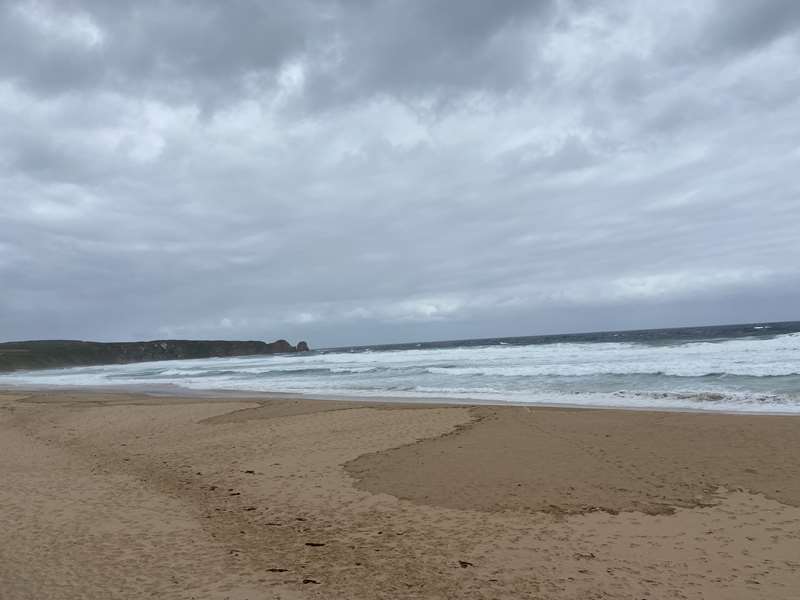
[[278, 346], [68, 353]]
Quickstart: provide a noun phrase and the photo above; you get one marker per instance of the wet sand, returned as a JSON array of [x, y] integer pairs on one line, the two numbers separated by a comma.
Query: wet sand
[[128, 496]]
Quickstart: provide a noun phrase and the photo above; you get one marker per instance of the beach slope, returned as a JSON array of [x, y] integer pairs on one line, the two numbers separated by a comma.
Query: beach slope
[[131, 496]]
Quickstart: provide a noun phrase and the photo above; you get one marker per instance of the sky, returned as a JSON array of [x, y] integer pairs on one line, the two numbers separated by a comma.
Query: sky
[[403, 170]]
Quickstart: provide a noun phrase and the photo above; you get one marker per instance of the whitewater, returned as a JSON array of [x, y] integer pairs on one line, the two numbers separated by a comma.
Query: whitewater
[[747, 373]]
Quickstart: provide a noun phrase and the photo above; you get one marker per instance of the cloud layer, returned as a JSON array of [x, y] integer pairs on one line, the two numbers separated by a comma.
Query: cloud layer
[[361, 172]]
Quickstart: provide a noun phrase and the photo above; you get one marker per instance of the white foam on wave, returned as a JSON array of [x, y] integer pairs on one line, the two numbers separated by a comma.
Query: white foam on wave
[[745, 372]]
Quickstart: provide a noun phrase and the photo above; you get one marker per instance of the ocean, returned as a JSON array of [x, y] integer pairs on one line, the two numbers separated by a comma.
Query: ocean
[[731, 368]]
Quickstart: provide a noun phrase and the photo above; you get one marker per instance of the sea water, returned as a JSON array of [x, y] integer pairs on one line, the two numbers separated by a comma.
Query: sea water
[[740, 368]]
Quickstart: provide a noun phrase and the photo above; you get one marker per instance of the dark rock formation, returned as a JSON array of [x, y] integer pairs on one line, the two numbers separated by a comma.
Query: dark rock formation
[[46, 354], [275, 347], [302, 347]]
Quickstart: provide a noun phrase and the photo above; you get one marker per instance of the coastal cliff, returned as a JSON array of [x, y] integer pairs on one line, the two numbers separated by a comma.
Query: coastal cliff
[[48, 354]]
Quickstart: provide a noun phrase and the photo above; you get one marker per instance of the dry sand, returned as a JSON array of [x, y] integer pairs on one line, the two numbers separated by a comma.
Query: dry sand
[[124, 496]]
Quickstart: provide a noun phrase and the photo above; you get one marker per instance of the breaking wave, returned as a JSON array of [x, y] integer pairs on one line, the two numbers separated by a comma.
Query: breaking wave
[[746, 373]]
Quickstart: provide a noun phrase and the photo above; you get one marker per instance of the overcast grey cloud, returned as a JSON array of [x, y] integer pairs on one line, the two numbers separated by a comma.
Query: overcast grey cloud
[[367, 171]]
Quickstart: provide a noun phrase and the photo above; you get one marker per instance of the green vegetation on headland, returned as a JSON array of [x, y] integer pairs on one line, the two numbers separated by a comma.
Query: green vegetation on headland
[[50, 354]]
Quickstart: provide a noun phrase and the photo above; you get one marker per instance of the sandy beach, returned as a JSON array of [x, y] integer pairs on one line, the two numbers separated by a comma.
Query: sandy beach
[[130, 496]]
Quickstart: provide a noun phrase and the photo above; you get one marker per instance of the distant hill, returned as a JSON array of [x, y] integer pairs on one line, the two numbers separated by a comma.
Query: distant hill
[[48, 354]]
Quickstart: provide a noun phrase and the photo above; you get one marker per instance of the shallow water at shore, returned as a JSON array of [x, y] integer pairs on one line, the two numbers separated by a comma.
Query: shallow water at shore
[[752, 368]]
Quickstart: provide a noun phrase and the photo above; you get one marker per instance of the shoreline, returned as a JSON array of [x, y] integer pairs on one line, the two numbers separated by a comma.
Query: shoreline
[[131, 495], [177, 391]]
